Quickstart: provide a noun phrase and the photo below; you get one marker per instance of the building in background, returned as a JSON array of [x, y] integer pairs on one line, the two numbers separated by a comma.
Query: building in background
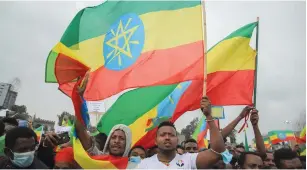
[[7, 96]]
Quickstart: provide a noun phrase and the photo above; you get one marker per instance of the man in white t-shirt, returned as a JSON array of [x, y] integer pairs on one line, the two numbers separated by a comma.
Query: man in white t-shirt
[[167, 139]]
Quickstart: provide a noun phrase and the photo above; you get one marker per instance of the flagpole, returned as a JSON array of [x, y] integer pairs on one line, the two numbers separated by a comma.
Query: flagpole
[[205, 46], [256, 63]]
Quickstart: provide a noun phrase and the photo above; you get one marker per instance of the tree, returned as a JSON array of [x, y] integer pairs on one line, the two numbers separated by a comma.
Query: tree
[[300, 122], [19, 109], [232, 136], [67, 116], [189, 129]]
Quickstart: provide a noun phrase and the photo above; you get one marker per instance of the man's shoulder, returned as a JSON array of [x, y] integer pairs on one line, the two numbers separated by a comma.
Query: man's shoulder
[[150, 159], [147, 162], [188, 155]]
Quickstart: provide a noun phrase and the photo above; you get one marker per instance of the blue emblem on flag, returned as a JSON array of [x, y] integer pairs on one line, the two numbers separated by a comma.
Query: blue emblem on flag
[[281, 136], [124, 42]]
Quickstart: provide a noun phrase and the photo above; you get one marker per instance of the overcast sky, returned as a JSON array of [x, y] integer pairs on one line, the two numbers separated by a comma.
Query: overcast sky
[[28, 30]]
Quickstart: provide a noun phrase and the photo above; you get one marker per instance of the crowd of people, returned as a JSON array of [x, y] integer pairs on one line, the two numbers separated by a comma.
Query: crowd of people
[[22, 150]]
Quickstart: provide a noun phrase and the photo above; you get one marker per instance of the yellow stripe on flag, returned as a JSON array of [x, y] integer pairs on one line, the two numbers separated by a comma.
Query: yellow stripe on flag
[[231, 55], [138, 128], [86, 162], [274, 137], [163, 30]]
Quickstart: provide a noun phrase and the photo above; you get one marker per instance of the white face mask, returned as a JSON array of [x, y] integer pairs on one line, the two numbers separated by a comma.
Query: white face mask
[[23, 160]]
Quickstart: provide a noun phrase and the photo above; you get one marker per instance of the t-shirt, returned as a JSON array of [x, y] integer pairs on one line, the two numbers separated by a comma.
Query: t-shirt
[[185, 161]]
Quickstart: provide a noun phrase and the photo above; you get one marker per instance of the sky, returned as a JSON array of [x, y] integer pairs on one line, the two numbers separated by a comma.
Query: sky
[[28, 31]]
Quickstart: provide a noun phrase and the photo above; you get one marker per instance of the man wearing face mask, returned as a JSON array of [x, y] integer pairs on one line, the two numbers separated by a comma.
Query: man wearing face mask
[[20, 146]]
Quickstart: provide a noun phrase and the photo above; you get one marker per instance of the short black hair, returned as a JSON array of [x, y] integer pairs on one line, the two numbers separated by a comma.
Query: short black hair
[[240, 146], [283, 154], [138, 146], [1, 128], [166, 123], [243, 157], [190, 140], [10, 120], [18, 132], [179, 147]]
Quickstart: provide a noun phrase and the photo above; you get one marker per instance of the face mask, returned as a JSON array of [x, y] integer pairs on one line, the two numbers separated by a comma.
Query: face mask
[[227, 157], [135, 159], [23, 160]]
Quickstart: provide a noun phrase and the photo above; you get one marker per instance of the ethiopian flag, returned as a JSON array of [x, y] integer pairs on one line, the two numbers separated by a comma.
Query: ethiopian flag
[[266, 142], [39, 132], [97, 162], [281, 136], [144, 108], [128, 44], [230, 69], [302, 138], [200, 133]]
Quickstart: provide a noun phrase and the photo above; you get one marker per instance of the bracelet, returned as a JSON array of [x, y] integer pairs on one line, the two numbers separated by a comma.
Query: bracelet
[[215, 151], [210, 120]]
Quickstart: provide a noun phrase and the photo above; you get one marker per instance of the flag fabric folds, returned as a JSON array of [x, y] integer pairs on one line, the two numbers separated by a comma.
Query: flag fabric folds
[[281, 136], [200, 133], [230, 69], [66, 123], [125, 46], [97, 162], [302, 138], [149, 106], [143, 109], [39, 132], [2, 144], [266, 142]]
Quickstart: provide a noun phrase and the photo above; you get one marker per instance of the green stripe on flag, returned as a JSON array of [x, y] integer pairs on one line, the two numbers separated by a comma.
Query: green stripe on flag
[[197, 130], [87, 25], [49, 72], [245, 31], [132, 105], [2, 143]]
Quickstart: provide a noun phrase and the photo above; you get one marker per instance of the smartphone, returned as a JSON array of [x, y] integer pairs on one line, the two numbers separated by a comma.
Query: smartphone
[[64, 138], [23, 123]]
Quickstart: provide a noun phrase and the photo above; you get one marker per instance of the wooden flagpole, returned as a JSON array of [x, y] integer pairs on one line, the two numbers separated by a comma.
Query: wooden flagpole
[[205, 46], [256, 64]]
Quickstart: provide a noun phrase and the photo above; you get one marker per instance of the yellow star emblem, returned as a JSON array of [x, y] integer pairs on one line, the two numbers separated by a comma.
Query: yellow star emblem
[[120, 50]]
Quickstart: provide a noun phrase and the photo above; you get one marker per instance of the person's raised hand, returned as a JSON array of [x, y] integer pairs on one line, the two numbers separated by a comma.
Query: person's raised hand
[[51, 139], [245, 111], [254, 117], [82, 87], [205, 106]]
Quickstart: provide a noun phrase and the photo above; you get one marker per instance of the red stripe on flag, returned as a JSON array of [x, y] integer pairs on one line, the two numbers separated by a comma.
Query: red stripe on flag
[[230, 87]]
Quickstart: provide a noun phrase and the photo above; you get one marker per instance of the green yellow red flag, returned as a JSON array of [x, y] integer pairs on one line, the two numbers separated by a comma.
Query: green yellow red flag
[[281, 136], [128, 44], [230, 68]]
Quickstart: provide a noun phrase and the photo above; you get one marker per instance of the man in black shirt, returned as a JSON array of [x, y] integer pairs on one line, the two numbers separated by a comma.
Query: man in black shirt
[[20, 147]]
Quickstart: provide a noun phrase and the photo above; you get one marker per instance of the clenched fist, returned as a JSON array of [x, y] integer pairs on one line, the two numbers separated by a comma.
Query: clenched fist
[[205, 106], [245, 111], [82, 87], [254, 117]]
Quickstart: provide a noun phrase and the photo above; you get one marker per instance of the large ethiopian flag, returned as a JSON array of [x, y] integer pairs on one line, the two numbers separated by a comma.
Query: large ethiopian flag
[[127, 44]]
